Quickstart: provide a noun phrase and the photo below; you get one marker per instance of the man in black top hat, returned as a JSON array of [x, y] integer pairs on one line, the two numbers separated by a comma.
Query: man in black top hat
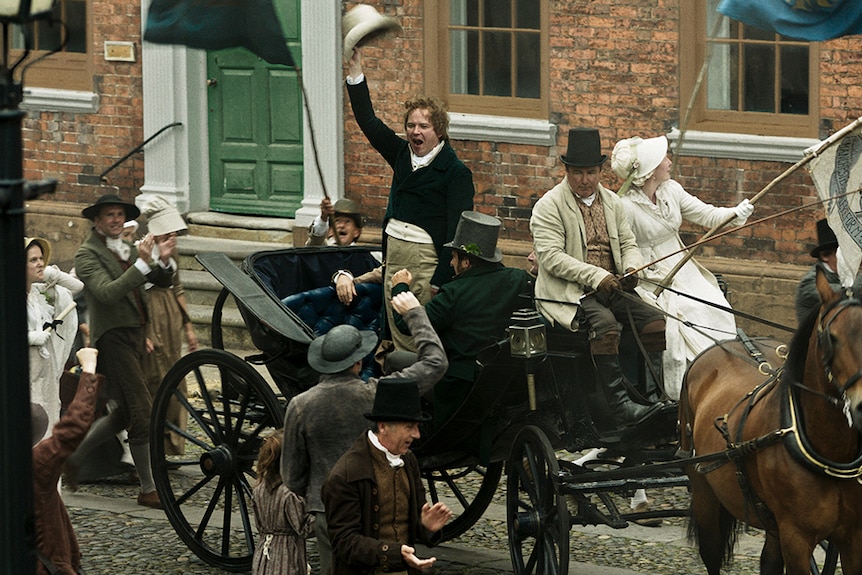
[[473, 310], [375, 501], [114, 273], [320, 424], [587, 255], [825, 252]]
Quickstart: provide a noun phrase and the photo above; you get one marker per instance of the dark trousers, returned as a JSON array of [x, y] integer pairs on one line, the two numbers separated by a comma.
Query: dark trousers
[[604, 313], [120, 361]]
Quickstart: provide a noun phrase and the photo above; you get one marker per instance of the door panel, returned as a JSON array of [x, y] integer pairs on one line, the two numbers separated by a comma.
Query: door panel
[[255, 129]]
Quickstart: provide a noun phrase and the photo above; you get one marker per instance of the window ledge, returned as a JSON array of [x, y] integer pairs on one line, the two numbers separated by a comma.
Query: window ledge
[[51, 100], [502, 129], [742, 146]]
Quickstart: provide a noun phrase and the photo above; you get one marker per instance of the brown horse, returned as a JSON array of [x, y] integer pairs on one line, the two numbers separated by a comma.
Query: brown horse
[[793, 460]]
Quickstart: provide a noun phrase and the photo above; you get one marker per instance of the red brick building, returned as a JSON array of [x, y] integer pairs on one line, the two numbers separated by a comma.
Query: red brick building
[[517, 75]]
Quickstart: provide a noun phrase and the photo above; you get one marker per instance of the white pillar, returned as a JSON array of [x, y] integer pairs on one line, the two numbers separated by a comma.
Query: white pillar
[[322, 78]]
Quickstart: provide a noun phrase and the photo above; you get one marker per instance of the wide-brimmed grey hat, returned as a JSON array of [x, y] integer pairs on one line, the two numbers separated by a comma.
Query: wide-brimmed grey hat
[[363, 23], [584, 149], [340, 348], [397, 399], [476, 235], [90, 212], [163, 218]]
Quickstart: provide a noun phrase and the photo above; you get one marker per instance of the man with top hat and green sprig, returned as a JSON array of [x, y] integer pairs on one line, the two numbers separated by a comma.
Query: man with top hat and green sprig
[[473, 310]]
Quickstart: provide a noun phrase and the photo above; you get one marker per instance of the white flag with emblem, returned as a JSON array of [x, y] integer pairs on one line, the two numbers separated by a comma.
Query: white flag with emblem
[[837, 174]]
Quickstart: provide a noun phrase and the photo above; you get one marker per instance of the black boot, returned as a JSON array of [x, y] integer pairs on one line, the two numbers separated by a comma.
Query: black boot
[[626, 411], [653, 388]]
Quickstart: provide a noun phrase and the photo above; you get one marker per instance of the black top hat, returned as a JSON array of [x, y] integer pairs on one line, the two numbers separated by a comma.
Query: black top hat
[[340, 348], [476, 235], [397, 399], [90, 212], [584, 149], [826, 239]]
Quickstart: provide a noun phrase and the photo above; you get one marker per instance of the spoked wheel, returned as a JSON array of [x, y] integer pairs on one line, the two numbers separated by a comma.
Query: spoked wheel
[[537, 516], [207, 491], [467, 491], [825, 559]]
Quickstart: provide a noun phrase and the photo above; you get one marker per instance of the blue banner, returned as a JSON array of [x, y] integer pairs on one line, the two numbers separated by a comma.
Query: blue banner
[[812, 20]]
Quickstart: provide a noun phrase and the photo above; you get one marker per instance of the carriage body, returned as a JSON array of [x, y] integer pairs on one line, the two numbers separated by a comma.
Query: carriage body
[[526, 407]]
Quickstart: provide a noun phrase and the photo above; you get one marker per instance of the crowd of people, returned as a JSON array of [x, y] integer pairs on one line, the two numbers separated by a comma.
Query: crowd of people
[[342, 469]]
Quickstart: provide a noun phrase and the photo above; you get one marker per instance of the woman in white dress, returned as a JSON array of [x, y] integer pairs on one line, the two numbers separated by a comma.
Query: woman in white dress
[[656, 205], [49, 292]]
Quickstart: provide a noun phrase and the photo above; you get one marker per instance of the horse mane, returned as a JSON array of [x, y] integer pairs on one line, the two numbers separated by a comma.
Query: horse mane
[[797, 352]]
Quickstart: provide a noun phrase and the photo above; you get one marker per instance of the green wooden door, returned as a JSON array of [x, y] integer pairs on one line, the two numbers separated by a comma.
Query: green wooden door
[[255, 128]]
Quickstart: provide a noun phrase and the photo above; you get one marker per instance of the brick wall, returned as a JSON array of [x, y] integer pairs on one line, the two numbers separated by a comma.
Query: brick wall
[[614, 65], [76, 148]]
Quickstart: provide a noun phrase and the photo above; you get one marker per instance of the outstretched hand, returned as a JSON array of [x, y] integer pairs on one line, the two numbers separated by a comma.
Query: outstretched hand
[[354, 65], [434, 517], [409, 555], [402, 276], [404, 302]]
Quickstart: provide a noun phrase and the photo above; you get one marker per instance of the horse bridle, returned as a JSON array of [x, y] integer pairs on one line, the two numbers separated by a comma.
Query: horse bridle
[[824, 342]]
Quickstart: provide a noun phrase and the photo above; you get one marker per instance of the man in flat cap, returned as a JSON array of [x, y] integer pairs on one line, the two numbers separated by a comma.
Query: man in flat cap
[[587, 256], [320, 424], [114, 273]]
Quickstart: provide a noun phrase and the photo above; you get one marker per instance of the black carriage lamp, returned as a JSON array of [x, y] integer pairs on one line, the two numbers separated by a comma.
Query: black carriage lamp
[[17, 554], [527, 339]]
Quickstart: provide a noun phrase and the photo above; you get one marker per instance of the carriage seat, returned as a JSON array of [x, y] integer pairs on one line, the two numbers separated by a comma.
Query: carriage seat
[[321, 310]]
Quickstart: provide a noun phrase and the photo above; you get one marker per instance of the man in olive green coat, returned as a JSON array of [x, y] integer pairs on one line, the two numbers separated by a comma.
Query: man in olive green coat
[[114, 273], [473, 310]]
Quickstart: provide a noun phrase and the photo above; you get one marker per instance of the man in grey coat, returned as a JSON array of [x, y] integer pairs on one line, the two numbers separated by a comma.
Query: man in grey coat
[[587, 257], [322, 423]]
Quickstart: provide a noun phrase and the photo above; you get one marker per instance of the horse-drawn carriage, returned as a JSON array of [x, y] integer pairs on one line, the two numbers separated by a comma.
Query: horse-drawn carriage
[[534, 396]]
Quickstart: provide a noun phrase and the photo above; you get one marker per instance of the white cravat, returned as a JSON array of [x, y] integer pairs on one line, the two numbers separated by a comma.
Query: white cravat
[[394, 460], [422, 161], [119, 247]]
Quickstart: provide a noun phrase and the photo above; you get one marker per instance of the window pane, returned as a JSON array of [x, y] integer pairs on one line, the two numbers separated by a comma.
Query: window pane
[[752, 33], [497, 14], [722, 82], [712, 16], [465, 62], [527, 14], [528, 74], [76, 24], [48, 35], [759, 86], [794, 79], [497, 60], [464, 12]]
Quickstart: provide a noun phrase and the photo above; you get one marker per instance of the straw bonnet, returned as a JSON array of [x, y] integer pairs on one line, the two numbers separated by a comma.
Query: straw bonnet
[[476, 235], [584, 149], [634, 159], [397, 399], [826, 239], [42, 243], [162, 217], [363, 23], [90, 212], [340, 348]]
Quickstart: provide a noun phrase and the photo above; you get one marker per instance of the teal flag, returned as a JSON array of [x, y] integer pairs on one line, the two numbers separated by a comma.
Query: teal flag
[[812, 20], [219, 24]]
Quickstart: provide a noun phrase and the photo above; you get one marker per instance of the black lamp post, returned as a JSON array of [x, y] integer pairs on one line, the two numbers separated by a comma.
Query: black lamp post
[[16, 482]]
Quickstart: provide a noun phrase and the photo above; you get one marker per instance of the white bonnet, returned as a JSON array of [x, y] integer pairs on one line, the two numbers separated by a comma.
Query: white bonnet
[[638, 158], [162, 217]]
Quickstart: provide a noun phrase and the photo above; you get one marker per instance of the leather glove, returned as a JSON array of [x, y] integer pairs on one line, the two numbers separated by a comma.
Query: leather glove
[[744, 209], [38, 338], [628, 282], [608, 284]]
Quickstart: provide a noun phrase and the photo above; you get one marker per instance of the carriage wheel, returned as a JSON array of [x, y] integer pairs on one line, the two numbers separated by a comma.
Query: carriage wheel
[[829, 554], [207, 492], [536, 512], [456, 488]]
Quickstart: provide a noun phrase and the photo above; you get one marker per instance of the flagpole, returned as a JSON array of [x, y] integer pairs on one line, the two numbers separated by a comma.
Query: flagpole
[[808, 155]]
